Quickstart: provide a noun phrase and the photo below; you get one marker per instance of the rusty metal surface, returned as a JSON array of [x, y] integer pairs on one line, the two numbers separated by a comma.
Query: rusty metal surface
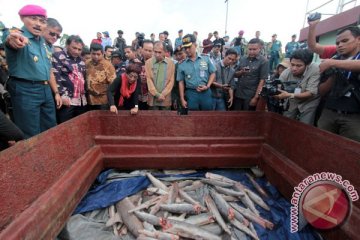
[[43, 179]]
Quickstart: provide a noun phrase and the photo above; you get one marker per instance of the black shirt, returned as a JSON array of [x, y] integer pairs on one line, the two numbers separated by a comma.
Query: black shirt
[[113, 94]]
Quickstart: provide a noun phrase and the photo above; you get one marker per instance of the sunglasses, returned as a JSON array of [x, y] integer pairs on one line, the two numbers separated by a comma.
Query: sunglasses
[[54, 34]]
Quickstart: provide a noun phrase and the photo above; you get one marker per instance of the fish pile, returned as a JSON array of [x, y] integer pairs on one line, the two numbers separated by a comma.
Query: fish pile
[[175, 210]]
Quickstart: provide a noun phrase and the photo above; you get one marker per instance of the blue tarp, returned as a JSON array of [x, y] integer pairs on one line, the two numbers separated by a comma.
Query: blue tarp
[[105, 194]]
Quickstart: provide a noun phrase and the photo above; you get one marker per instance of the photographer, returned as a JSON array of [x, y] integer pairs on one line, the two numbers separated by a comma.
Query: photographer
[[341, 85], [304, 99]]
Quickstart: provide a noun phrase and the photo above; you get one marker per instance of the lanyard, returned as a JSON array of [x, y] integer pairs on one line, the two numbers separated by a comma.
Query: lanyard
[[350, 72]]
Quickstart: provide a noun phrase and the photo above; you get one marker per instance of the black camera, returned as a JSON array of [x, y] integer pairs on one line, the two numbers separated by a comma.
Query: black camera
[[271, 88], [314, 16], [140, 40]]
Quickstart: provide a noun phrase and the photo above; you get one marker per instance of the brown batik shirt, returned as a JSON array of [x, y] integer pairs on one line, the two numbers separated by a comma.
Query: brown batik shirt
[[98, 78]]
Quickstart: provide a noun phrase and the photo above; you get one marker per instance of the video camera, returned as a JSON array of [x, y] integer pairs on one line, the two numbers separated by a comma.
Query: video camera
[[271, 88], [140, 40]]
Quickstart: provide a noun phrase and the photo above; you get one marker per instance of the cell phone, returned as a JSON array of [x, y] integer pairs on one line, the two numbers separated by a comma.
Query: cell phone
[[314, 16]]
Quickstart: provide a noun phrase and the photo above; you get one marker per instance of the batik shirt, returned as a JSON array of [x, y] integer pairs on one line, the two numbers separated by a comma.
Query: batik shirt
[[98, 77], [70, 77]]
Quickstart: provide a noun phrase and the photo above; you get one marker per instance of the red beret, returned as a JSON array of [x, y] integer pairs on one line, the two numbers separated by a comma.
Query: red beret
[[32, 10]]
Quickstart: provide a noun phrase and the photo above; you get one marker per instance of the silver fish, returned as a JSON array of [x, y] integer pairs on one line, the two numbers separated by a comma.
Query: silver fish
[[156, 190], [243, 228], [201, 219], [189, 199], [156, 182], [152, 219], [225, 209], [146, 204], [257, 199], [219, 178], [214, 182], [159, 235], [130, 220], [187, 230], [185, 183], [214, 228], [215, 212], [156, 207], [253, 217], [245, 199], [181, 208], [258, 188], [193, 187], [229, 192]]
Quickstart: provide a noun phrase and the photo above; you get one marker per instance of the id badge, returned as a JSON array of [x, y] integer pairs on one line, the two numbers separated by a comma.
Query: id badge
[[297, 90], [202, 73]]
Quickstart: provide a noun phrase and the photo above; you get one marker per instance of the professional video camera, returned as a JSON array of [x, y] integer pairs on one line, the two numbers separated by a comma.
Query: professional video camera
[[140, 40], [271, 88]]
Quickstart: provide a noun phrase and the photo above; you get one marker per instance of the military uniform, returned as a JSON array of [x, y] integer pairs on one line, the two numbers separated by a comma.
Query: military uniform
[[196, 74], [31, 95]]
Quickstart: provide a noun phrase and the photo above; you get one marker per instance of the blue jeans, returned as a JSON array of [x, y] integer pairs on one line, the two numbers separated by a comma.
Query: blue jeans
[[218, 104], [199, 100], [33, 106]]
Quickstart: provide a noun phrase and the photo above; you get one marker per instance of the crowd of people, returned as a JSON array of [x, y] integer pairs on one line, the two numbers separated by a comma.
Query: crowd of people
[[49, 85]]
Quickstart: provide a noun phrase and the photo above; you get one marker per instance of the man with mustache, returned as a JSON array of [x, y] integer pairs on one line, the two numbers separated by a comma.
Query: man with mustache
[[29, 60]]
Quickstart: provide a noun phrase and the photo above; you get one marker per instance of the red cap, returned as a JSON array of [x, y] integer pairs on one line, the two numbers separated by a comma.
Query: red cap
[[241, 32], [32, 10]]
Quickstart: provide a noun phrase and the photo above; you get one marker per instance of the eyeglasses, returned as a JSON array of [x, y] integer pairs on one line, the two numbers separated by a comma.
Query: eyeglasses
[[54, 34]]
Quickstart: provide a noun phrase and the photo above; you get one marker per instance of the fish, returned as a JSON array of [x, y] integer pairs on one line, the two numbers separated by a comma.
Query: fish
[[219, 178], [159, 235], [251, 227], [213, 228], [214, 182], [245, 199], [253, 217], [243, 228], [229, 192], [230, 198], [257, 199], [201, 219], [130, 220], [148, 226], [187, 230], [156, 190], [181, 208], [146, 204], [258, 188], [156, 207], [215, 212], [225, 209], [156, 182], [152, 219], [189, 199], [143, 237], [185, 183], [196, 185], [173, 193]]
